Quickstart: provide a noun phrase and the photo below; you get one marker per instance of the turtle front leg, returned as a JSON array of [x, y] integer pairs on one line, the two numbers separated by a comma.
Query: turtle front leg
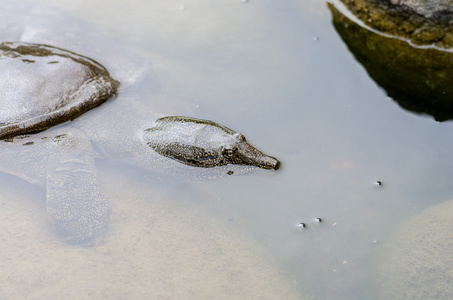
[[74, 202]]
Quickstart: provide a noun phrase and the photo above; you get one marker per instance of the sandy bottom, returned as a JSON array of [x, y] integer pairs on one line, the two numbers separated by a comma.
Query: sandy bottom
[[155, 248], [417, 262]]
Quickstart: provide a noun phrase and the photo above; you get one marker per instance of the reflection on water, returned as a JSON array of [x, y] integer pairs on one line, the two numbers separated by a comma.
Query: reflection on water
[[419, 79], [280, 73]]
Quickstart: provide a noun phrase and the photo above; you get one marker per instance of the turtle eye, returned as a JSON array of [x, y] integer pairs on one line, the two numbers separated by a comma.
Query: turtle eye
[[229, 152]]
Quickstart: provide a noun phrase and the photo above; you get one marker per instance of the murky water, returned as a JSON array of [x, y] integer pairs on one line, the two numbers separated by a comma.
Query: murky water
[[279, 73]]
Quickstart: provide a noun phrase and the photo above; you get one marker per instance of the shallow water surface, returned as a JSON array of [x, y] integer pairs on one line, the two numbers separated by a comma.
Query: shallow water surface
[[279, 73]]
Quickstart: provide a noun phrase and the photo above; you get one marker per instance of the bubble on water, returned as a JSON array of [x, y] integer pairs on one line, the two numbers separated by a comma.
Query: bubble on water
[[301, 225], [318, 220], [378, 183]]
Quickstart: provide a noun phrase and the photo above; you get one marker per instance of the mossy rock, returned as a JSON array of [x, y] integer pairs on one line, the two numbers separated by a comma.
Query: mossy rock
[[418, 78], [422, 22]]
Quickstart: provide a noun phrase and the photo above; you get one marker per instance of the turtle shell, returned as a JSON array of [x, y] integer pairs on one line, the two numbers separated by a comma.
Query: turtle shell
[[42, 86]]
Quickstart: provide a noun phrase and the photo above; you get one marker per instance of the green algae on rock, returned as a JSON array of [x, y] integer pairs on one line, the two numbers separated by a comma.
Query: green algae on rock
[[418, 78]]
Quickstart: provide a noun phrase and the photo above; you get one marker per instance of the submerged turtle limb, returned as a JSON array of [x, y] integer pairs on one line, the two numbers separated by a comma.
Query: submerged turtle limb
[[74, 202]]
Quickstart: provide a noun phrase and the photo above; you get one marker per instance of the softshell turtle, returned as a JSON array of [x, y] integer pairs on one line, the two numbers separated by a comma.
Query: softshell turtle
[[42, 86]]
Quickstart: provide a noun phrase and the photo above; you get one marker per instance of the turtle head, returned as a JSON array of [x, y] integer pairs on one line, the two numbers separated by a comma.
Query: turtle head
[[204, 144]]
